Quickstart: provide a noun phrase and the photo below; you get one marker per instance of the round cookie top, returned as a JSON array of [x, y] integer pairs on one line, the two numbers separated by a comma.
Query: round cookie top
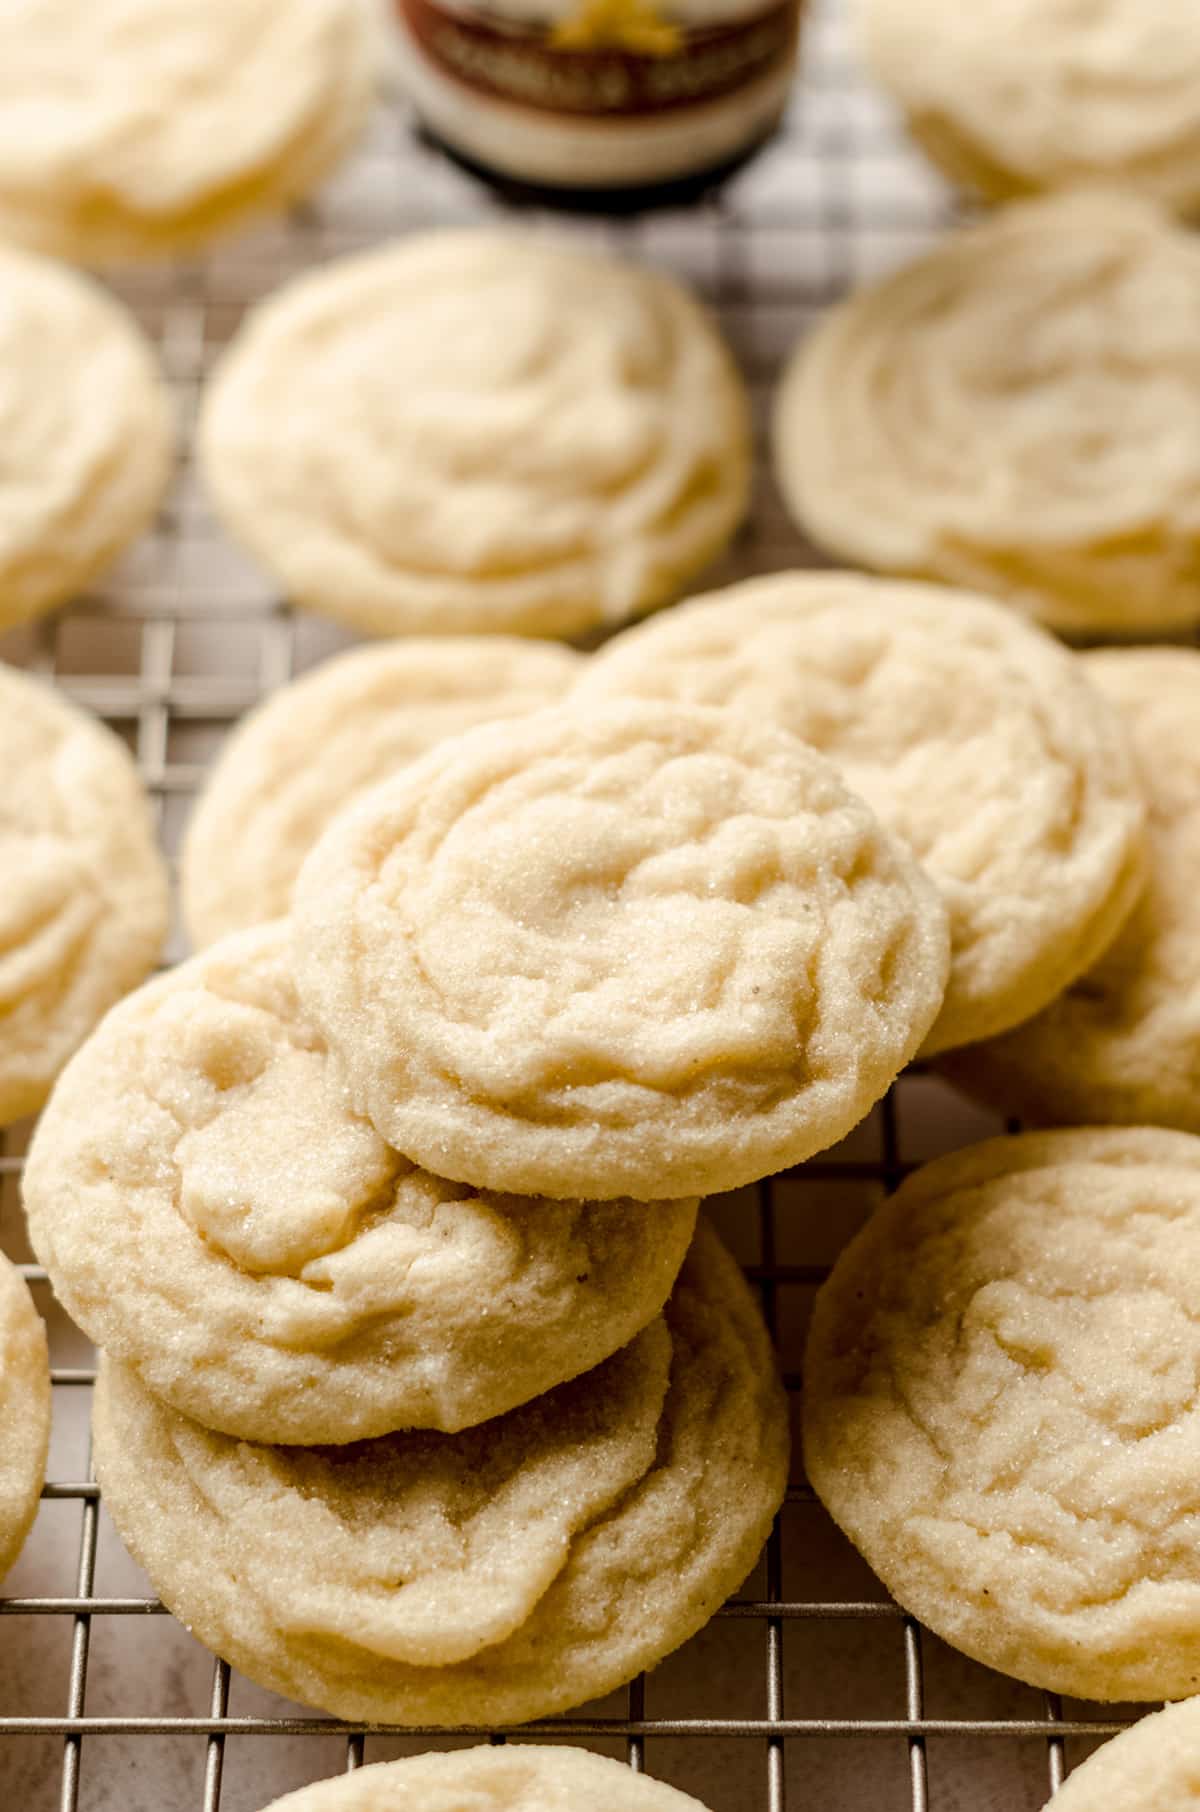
[[514, 1777], [211, 1211], [1002, 1412], [1018, 95], [88, 429], [367, 711], [500, 1574], [131, 128], [1154, 1766], [24, 1411], [626, 948], [1123, 1043], [475, 430], [1015, 411], [83, 910], [974, 737]]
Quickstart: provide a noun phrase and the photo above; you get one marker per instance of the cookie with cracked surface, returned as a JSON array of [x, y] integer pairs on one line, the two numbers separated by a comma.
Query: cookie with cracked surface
[[972, 735], [1014, 412], [24, 1411], [514, 1777], [1017, 96], [625, 948], [1123, 1043], [88, 431], [83, 910], [1154, 1766], [252, 105], [365, 713], [492, 1576], [212, 1212], [474, 430], [1001, 1407]]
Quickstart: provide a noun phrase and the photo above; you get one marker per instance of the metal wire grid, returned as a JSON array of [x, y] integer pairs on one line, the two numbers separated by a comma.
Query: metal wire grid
[[187, 638]]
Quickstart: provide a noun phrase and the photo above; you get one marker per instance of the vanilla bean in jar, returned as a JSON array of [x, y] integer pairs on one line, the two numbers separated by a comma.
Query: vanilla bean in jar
[[610, 98]]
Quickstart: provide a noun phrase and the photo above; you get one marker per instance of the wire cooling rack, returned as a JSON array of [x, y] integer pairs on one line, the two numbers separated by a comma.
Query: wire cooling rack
[[811, 1689]]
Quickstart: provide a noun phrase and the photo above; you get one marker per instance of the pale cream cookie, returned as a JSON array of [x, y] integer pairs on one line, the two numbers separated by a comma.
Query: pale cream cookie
[[134, 128], [24, 1412], [1002, 1406], [512, 1777], [974, 737], [87, 426], [315, 744], [1022, 95], [475, 430], [1123, 1042], [83, 908], [500, 1574], [212, 1212], [1154, 1766], [1016, 411], [617, 949]]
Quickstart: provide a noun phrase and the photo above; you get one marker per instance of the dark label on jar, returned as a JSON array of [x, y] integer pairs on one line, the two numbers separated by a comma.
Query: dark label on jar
[[611, 57]]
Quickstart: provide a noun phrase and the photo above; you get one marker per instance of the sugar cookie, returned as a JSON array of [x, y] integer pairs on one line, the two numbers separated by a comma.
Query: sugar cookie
[[211, 1212], [131, 128], [973, 736], [313, 745], [83, 909], [1123, 1043], [487, 1577], [24, 1412], [88, 430], [1152, 1767], [1018, 95], [621, 949], [1002, 1408], [1016, 411], [514, 1777], [475, 430]]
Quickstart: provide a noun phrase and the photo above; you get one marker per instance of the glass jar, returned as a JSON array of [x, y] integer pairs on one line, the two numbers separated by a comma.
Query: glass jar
[[598, 95]]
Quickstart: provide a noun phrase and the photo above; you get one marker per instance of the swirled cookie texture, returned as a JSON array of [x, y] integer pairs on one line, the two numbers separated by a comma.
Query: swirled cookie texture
[[368, 712], [1018, 96], [599, 948], [492, 1576], [972, 735], [87, 427], [83, 909], [473, 430], [211, 1211], [134, 128], [24, 1412], [1154, 1766], [1015, 412], [1123, 1042], [1002, 1411], [513, 1777]]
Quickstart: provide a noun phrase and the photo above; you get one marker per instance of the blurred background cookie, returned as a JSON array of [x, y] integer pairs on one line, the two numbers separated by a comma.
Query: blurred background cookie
[[88, 431], [1021, 95], [476, 430], [83, 909], [509, 1777], [132, 128], [1015, 411]]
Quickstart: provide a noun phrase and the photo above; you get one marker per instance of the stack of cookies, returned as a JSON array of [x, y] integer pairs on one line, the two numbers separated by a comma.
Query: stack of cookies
[[424, 1398]]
